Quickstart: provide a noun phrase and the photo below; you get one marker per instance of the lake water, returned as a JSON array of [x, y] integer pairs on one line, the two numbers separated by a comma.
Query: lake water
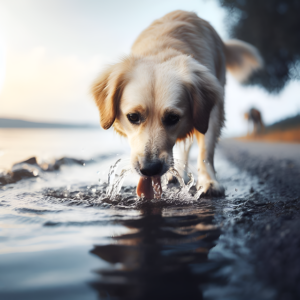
[[19, 144], [61, 238]]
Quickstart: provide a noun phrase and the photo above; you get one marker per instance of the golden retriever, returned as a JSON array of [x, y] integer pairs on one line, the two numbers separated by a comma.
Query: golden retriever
[[170, 88]]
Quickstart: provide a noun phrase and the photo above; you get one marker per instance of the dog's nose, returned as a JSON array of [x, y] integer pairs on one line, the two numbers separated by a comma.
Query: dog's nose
[[152, 169]]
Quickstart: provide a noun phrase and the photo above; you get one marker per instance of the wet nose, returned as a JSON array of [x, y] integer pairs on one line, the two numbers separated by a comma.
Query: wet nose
[[152, 169]]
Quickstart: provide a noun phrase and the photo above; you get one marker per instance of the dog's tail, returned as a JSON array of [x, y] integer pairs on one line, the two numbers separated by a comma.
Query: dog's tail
[[242, 59]]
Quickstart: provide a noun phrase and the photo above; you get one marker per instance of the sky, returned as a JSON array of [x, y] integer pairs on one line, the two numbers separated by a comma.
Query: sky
[[52, 50]]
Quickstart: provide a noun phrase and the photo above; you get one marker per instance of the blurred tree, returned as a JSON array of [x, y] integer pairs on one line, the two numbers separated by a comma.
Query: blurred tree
[[273, 26]]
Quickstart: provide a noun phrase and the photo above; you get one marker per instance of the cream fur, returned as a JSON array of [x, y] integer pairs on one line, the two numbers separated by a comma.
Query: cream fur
[[176, 65]]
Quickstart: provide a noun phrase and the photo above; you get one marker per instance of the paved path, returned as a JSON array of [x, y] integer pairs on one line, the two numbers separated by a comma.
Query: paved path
[[273, 223], [277, 164]]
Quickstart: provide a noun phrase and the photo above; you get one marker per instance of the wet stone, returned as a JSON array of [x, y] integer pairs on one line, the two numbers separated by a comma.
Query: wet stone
[[29, 161], [6, 177], [24, 170], [67, 161]]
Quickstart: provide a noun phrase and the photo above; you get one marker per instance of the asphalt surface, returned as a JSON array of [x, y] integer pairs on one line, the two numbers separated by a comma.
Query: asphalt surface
[[271, 217]]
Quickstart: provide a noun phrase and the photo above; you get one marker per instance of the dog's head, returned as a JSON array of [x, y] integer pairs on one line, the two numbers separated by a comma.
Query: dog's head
[[155, 103]]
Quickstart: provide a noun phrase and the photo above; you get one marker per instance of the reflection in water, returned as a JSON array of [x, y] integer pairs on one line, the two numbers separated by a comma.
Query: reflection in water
[[167, 258]]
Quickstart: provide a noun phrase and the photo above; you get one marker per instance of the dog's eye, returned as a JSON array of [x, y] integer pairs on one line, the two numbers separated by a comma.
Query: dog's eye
[[134, 118], [171, 119]]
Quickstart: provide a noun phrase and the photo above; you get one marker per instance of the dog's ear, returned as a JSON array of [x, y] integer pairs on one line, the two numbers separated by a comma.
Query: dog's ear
[[205, 91], [107, 91]]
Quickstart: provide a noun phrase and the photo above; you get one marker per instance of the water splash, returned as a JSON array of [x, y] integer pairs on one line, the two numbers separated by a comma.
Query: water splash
[[113, 193], [183, 192], [111, 172], [178, 192], [114, 188], [114, 180], [176, 174], [157, 190], [199, 193]]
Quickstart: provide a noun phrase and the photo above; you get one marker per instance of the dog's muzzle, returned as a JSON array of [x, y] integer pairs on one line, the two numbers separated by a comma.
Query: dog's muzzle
[[153, 168]]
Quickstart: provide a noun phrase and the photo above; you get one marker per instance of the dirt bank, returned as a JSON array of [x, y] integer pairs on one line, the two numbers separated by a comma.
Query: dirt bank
[[287, 136]]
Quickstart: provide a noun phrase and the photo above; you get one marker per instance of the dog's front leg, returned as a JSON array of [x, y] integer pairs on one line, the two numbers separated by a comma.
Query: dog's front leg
[[207, 180]]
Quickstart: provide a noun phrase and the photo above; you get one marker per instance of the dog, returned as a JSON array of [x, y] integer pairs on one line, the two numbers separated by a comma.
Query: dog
[[254, 116], [169, 89]]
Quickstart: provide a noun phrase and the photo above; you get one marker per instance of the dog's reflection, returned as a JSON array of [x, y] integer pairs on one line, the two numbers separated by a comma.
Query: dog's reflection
[[167, 258]]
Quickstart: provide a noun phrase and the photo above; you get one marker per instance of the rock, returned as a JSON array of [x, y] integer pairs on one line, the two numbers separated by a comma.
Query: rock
[[67, 161], [25, 169], [5, 177], [22, 170], [29, 161]]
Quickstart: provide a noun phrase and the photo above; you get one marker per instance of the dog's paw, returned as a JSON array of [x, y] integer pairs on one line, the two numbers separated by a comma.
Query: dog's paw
[[210, 188]]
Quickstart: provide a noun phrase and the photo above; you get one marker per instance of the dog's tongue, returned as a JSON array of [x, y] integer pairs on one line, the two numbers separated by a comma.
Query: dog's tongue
[[150, 187]]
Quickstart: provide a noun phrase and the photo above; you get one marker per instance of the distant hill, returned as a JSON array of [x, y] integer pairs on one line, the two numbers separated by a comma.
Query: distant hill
[[288, 123], [18, 123]]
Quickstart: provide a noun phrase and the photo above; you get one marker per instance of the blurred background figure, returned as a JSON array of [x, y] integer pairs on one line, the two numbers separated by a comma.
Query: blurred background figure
[[255, 122]]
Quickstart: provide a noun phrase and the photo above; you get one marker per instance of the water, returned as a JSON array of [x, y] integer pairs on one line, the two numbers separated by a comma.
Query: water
[[179, 191], [67, 235]]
